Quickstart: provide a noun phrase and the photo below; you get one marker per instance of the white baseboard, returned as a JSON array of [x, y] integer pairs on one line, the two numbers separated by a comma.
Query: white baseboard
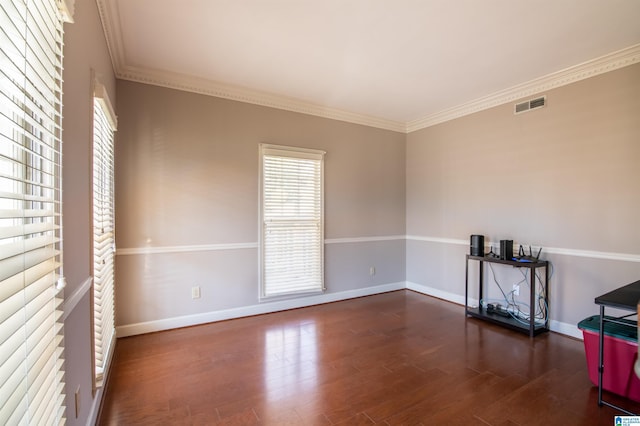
[[95, 407], [283, 305], [570, 330], [440, 294], [245, 311], [97, 400]]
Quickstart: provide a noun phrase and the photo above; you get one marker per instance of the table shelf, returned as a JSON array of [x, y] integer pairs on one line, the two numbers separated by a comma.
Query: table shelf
[[508, 322], [530, 326]]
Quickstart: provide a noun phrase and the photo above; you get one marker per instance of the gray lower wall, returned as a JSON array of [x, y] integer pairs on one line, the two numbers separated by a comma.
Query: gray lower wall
[[575, 280], [564, 177], [228, 279]]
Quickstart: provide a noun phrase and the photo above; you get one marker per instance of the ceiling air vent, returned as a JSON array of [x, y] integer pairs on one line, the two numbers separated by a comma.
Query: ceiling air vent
[[530, 104]]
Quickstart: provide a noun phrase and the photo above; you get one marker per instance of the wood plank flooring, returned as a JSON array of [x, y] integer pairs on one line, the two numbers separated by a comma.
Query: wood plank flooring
[[398, 358]]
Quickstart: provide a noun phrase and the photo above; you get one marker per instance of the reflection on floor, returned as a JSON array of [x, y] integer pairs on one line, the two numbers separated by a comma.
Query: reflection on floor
[[394, 358]]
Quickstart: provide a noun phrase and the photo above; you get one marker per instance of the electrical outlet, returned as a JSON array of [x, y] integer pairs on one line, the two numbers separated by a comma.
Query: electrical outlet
[[372, 270], [195, 292], [516, 289]]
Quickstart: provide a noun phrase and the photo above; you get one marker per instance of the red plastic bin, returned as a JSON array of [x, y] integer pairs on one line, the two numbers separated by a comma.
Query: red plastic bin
[[620, 353]]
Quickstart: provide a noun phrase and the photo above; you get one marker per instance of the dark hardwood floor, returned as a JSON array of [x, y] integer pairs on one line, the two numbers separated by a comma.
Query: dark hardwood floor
[[395, 358]]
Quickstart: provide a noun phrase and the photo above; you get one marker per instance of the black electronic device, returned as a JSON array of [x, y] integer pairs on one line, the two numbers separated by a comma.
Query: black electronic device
[[522, 257], [498, 309], [477, 245], [506, 249]]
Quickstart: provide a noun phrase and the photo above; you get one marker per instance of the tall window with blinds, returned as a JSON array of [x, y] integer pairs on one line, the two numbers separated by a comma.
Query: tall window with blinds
[[104, 125], [31, 362], [292, 221]]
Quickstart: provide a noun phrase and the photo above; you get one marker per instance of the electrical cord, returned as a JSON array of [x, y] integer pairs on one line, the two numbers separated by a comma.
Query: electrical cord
[[495, 280], [540, 294], [514, 307]]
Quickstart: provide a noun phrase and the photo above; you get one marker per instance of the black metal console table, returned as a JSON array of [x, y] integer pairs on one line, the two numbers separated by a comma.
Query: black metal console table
[[532, 328], [625, 298]]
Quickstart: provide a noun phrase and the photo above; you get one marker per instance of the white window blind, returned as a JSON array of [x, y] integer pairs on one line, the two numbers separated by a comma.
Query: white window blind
[[104, 125], [292, 212], [31, 363]]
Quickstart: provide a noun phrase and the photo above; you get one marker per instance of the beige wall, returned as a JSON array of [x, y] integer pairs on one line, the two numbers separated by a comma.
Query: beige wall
[[562, 177], [566, 176], [187, 175], [85, 50]]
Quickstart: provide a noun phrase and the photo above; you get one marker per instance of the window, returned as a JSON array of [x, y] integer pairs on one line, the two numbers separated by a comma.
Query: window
[[292, 221], [104, 124], [31, 363]]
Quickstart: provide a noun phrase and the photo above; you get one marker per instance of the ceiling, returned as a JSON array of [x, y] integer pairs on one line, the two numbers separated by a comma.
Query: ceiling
[[395, 64]]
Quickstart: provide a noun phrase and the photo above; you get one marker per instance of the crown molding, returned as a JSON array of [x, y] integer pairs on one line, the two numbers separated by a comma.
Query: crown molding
[[242, 94], [110, 18], [601, 65], [109, 15]]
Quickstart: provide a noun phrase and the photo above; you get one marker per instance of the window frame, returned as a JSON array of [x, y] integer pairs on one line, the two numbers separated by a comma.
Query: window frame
[[291, 153], [103, 288]]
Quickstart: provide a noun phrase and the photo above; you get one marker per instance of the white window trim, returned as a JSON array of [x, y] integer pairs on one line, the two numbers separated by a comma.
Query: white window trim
[[290, 152], [104, 331]]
